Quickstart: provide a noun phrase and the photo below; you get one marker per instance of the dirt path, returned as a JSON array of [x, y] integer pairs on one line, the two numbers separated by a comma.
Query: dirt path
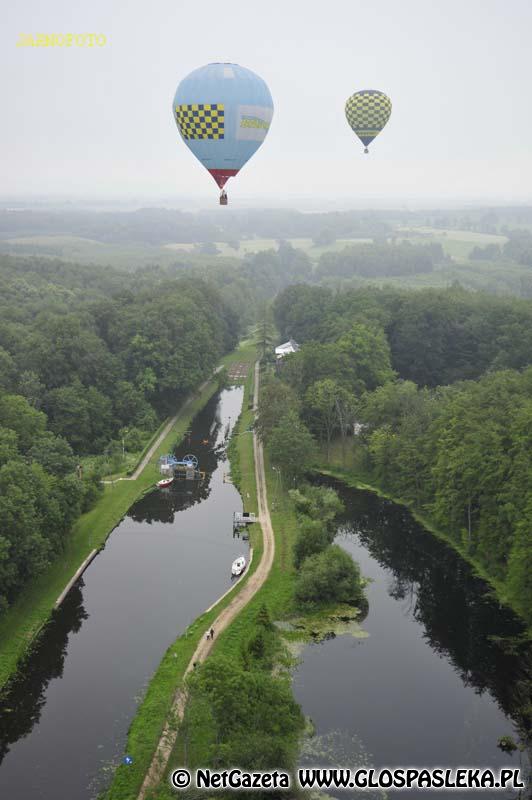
[[165, 431], [169, 734]]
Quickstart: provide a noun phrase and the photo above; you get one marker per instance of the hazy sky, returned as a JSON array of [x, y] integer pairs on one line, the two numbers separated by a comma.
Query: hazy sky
[[97, 121]]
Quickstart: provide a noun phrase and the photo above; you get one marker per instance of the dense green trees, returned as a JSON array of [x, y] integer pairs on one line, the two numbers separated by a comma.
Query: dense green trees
[[434, 336], [380, 259], [276, 399], [317, 393], [86, 363], [460, 451], [358, 360], [291, 447], [97, 356], [161, 225], [463, 455], [326, 574], [312, 538], [244, 713], [255, 718], [40, 497], [519, 246], [318, 503], [329, 577]]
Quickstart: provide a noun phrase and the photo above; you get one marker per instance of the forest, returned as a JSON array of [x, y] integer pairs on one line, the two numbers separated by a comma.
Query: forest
[[422, 391], [436, 387], [93, 357], [87, 366]]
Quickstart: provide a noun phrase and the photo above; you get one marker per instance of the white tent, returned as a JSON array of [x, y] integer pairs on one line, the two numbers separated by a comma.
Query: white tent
[[285, 349]]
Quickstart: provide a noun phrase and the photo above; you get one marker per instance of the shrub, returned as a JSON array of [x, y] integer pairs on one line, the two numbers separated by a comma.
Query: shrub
[[312, 538], [329, 577]]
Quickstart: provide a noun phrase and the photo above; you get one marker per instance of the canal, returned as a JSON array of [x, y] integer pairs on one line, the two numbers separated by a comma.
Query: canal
[[64, 721], [439, 671]]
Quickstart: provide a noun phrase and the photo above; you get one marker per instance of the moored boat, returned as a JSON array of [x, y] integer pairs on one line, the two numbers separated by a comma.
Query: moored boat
[[164, 482], [238, 566]]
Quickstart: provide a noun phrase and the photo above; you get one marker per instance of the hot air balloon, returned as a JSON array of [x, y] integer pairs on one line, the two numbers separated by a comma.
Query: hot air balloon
[[223, 113], [367, 113]]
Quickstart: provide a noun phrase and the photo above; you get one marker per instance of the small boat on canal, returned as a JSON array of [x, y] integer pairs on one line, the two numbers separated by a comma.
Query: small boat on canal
[[164, 482], [238, 566]]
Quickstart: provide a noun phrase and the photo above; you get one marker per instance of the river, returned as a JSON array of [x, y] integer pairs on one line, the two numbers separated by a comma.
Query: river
[[441, 671], [64, 722]]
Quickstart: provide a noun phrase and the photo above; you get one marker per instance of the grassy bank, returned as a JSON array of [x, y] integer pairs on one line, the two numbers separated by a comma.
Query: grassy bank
[[364, 483], [193, 746], [127, 465], [20, 625], [276, 594], [155, 709]]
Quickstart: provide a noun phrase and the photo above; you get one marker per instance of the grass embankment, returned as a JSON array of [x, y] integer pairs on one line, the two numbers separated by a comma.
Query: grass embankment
[[127, 464], [20, 625], [155, 709], [276, 594], [347, 472]]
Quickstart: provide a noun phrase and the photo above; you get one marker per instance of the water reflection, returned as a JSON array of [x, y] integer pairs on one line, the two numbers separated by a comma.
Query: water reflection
[[445, 670], [64, 719], [22, 705], [484, 641], [208, 442]]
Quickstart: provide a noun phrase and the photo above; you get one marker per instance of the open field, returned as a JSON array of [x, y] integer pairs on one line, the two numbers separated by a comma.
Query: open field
[[88, 251], [457, 244], [133, 256], [496, 277], [249, 246]]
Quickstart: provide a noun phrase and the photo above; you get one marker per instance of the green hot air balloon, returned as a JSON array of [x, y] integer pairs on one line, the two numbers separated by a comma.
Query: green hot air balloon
[[367, 113]]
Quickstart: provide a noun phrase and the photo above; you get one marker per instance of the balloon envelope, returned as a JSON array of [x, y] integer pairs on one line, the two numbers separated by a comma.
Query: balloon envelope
[[367, 113], [223, 113]]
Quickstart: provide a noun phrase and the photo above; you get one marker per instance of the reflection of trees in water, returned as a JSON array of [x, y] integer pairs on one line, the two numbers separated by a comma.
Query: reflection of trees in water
[[161, 505], [23, 699], [462, 620], [205, 440]]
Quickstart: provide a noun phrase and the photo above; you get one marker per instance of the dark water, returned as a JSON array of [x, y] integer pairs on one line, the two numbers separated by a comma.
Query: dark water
[[441, 676], [65, 719]]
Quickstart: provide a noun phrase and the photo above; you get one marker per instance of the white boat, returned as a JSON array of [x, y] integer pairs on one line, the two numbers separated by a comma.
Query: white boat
[[238, 566], [164, 482]]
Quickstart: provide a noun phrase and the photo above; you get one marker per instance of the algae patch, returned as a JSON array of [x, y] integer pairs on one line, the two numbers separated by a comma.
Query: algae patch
[[337, 749], [341, 620]]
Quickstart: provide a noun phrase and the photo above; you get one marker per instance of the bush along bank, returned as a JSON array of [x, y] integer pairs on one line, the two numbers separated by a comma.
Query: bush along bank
[[240, 707], [156, 707], [23, 622], [358, 478]]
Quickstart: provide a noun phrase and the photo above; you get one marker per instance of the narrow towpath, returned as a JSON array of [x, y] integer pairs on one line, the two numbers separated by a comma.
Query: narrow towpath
[[165, 431], [169, 734]]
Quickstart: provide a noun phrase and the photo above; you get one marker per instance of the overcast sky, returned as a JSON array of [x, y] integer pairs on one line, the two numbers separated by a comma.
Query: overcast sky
[[97, 121]]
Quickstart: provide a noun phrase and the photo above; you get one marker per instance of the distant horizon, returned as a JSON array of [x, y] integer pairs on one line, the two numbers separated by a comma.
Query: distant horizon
[[205, 203]]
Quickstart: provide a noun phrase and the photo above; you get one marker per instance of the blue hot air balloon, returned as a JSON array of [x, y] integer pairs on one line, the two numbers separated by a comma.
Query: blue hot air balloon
[[223, 112]]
